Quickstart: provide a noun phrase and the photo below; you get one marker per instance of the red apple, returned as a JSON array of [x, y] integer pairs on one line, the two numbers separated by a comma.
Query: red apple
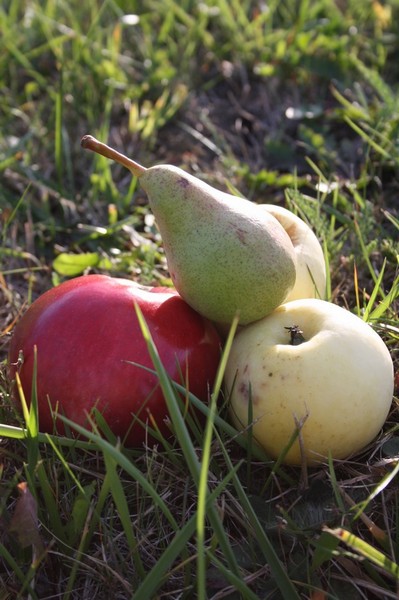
[[87, 335]]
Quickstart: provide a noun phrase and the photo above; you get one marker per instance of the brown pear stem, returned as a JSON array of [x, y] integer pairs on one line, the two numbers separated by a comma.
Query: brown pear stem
[[90, 142]]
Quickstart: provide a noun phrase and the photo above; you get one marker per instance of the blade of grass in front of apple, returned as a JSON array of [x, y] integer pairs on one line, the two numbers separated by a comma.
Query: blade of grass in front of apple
[[231, 432], [20, 433], [226, 427], [182, 433], [31, 417], [282, 579], [184, 439], [35, 471], [204, 472], [123, 461], [279, 462]]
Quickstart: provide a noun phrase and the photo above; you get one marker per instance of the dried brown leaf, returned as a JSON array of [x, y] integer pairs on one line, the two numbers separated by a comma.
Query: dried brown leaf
[[24, 522]]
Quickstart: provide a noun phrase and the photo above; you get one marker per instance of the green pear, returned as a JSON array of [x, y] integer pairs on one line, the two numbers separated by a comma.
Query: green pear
[[225, 255]]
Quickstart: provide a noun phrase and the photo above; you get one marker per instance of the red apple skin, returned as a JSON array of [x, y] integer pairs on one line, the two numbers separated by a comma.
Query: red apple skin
[[86, 330]]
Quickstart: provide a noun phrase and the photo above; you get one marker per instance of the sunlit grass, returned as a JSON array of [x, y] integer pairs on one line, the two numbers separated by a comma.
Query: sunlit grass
[[290, 103]]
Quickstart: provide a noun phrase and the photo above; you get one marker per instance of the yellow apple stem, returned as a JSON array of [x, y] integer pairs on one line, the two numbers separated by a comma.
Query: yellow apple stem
[[90, 143]]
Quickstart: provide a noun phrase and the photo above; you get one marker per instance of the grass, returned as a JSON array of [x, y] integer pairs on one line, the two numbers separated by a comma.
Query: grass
[[294, 103]]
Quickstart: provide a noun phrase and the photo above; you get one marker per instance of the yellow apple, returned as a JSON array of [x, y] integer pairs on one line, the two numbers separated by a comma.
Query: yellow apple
[[310, 264], [313, 363]]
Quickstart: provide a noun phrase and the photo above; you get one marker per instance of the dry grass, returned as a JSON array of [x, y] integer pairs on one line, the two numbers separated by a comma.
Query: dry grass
[[275, 116]]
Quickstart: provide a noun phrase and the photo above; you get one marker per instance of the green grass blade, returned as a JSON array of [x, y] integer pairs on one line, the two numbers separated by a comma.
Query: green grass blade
[[385, 304], [383, 484], [31, 416], [184, 439], [78, 557], [367, 258], [123, 461], [59, 99], [366, 137], [231, 432], [201, 502], [64, 463], [181, 431], [206, 456], [334, 484], [30, 412], [21, 433], [52, 509], [24, 578], [367, 551], [13, 213], [374, 293], [154, 578], [121, 504], [283, 580]]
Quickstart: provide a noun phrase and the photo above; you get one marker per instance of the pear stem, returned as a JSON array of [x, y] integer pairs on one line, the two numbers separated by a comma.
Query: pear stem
[[90, 143]]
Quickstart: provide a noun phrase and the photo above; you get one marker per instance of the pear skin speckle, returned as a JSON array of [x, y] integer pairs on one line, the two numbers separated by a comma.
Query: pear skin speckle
[[225, 255]]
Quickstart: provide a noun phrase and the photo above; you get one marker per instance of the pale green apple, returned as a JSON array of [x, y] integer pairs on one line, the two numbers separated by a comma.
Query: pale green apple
[[310, 264], [313, 363]]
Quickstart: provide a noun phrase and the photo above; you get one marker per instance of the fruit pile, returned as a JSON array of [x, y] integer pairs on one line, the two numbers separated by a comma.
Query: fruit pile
[[311, 378]]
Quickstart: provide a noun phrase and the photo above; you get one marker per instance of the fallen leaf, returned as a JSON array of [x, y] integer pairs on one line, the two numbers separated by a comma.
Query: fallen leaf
[[25, 522]]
